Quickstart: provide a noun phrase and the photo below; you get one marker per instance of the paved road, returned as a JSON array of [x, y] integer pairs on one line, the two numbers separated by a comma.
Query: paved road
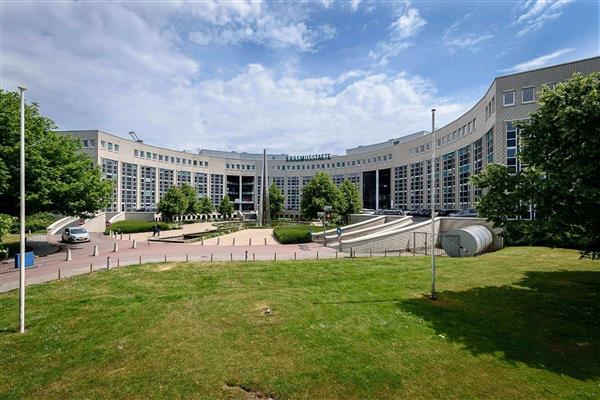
[[47, 268]]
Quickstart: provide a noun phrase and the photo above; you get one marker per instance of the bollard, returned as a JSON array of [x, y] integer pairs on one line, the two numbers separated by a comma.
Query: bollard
[[59, 273], [370, 253], [140, 260], [218, 240], [121, 236], [96, 251], [336, 254], [385, 253], [116, 247], [187, 258], [134, 244], [69, 257], [91, 268], [253, 257], [294, 256], [246, 255], [399, 252], [202, 241], [211, 257], [108, 263], [129, 237], [231, 256], [233, 241], [118, 262], [165, 258], [265, 241], [250, 242], [350, 252], [317, 255], [275, 257], [148, 241]]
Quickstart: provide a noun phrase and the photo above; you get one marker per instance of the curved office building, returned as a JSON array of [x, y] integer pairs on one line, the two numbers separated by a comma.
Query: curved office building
[[392, 174]]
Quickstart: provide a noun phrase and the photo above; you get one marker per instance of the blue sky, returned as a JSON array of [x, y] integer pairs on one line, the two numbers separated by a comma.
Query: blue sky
[[293, 77]]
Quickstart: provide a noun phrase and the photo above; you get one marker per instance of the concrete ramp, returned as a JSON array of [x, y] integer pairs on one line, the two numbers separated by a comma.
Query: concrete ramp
[[390, 224], [374, 221]]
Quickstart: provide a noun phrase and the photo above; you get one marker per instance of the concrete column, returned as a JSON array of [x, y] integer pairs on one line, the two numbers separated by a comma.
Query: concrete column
[[376, 189]]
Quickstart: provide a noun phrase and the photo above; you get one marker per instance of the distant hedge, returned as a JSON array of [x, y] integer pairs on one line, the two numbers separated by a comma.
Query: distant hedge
[[292, 234], [136, 226]]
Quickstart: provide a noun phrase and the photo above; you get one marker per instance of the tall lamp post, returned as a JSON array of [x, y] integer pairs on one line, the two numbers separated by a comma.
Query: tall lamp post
[[22, 233], [433, 295]]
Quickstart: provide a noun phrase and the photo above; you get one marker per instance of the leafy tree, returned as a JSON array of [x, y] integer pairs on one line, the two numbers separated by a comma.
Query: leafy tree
[[276, 199], [559, 146], [59, 177], [174, 203], [225, 206], [319, 192], [192, 197], [350, 199], [7, 223], [205, 206]]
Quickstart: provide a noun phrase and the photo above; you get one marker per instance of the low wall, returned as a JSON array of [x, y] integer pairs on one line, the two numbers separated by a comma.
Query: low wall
[[374, 220]]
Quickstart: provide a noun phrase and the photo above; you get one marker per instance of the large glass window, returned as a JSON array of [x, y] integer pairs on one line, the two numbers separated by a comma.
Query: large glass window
[[110, 171], [449, 178], [464, 166], [416, 185], [148, 186], [128, 187]]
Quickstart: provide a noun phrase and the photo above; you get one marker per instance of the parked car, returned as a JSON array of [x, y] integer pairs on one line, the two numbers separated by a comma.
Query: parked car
[[445, 213], [467, 212], [388, 212], [75, 234]]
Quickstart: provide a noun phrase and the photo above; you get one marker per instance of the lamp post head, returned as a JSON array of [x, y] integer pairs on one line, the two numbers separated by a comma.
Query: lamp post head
[[22, 88], [433, 110]]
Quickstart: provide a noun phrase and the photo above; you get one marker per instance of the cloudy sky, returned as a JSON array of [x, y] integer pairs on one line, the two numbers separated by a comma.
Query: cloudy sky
[[293, 77]]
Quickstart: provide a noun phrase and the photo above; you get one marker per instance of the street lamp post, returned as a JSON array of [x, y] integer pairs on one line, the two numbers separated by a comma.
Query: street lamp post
[[433, 295], [22, 233]]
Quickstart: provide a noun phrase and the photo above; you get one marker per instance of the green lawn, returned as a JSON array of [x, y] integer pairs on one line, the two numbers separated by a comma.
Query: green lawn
[[522, 323]]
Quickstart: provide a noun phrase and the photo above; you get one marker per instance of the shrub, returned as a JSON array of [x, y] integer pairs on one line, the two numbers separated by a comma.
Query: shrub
[[136, 226], [39, 222], [292, 234]]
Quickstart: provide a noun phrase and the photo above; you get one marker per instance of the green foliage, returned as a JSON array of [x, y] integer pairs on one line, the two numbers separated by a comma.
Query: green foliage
[[293, 234], [559, 144], [318, 193], [174, 203], [225, 206], [38, 222], [7, 223], [350, 199], [59, 177], [192, 197], [276, 199], [205, 206], [136, 226]]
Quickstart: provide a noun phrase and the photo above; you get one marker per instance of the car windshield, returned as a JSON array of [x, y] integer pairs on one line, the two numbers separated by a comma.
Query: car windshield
[[78, 230]]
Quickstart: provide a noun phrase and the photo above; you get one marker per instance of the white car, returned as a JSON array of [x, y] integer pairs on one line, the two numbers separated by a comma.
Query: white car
[[75, 234]]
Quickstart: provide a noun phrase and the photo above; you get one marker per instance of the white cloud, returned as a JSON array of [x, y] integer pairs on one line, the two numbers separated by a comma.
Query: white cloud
[[407, 24], [535, 14], [466, 41], [538, 62], [238, 22], [354, 4]]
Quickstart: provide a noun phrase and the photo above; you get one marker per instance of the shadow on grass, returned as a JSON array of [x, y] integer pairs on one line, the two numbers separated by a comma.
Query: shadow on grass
[[548, 320]]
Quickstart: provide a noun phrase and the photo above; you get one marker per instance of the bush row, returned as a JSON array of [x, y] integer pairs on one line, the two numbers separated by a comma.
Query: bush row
[[292, 234], [534, 233], [136, 226]]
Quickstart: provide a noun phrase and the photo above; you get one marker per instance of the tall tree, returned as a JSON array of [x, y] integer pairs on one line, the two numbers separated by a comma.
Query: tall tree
[[59, 177], [205, 206], [226, 206], [192, 197], [174, 203], [319, 192], [276, 199], [350, 199]]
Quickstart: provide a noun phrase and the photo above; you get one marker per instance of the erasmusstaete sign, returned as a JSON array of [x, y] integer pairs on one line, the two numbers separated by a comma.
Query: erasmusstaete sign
[[311, 157]]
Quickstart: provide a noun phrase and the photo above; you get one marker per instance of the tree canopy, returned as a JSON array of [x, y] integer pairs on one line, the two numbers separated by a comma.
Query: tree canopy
[[59, 178], [191, 195], [174, 203], [276, 199], [205, 206], [350, 199], [225, 206], [559, 148], [319, 192]]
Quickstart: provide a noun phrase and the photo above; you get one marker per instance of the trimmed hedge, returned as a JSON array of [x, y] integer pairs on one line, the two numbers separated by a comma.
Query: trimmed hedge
[[293, 234], [136, 226]]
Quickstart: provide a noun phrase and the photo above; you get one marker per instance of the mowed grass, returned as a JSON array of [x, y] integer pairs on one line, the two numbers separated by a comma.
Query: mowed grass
[[522, 323]]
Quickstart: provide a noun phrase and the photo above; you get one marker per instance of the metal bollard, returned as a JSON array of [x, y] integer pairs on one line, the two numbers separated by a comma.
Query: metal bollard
[[96, 251], [275, 257], [69, 257], [187, 258], [250, 242], [108, 262], [129, 236], [317, 255], [336, 254], [118, 262], [116, 247], [233, 241], [211, 257], [231, 256], [134, 244], [246, 255], [59, 273], [140, 260], [218, 240], [91, 267], [202, 242], [350, 252], [253, 257], [294, 256], [370, 253], [385, 253], [265, 241], [165, 258]]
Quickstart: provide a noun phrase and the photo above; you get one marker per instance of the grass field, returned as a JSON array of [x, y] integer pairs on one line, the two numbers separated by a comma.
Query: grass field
[[522, 323]]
